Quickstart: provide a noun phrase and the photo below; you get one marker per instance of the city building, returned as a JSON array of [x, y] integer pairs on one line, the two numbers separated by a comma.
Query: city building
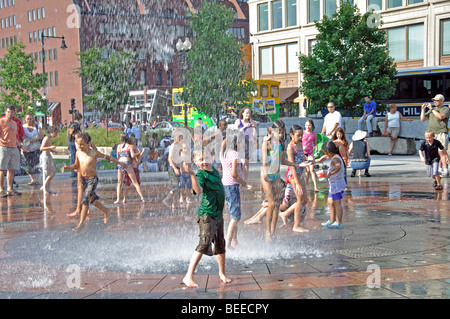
[[417, 33], [149, 28]]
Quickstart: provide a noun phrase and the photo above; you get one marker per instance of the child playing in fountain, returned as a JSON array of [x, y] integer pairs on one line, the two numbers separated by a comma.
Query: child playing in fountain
[[430, 153], [85, 163], [135, 160], [185, 179], [336, 179], [231, 180], [207, 182], [47, 160]]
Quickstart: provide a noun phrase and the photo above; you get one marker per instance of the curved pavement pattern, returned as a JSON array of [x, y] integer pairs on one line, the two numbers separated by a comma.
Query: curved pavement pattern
[[394, 245]]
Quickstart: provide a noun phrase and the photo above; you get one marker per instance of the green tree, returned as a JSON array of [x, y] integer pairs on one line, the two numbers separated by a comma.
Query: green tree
[[348, 61], [108, 79], [19, 84], [217, 72]]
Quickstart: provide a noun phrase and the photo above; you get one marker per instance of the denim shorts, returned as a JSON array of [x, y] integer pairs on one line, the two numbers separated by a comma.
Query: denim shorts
[[185, 181], [233, 199]]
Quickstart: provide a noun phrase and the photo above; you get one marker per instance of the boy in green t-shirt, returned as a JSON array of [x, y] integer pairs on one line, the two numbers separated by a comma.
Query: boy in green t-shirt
[[208, 182]]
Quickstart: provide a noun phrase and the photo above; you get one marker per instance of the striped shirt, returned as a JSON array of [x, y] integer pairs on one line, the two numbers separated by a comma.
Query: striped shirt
[[227, 158]]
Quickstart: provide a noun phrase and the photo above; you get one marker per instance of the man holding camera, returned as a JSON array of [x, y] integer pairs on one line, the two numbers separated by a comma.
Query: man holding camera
[[438, 124]]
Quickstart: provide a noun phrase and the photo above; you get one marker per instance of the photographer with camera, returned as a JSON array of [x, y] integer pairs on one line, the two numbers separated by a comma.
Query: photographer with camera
[[438, 124]]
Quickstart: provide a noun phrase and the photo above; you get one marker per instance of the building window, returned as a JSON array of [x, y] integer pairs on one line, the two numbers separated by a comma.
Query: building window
[[375, 5], [51, 78], [291, 13], [263, 17], [55, 55], [414, 1], [279, 59], [406, 43], [313, 10], [38, 11], [56, 78], [265, 60], [43, 12], [415, 42], [143, 77], [292, 56], [445, 37], [277, 14], [169, 77], [29, 16], [330, 7], [394, 3], [396, 43], [158, 77], [50, 55]]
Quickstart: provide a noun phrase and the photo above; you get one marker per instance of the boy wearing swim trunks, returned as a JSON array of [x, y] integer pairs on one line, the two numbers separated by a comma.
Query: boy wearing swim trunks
[[86, 164], [208, 182]]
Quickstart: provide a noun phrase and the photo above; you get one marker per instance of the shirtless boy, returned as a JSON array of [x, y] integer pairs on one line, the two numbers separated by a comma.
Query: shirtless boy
[[85, 163]]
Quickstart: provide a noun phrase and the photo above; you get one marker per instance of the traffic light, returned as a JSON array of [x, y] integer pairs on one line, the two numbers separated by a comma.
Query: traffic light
[[72, 106]]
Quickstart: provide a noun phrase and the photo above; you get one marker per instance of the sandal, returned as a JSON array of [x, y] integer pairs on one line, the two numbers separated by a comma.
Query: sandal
[[439, 188], [3, 195]]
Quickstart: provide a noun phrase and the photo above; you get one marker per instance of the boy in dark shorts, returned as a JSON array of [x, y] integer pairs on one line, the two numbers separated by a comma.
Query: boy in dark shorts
[[430, 153], [86, 164], [208, 182]]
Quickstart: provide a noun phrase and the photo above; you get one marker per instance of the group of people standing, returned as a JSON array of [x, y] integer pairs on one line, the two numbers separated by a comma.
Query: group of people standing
[[16, 138]]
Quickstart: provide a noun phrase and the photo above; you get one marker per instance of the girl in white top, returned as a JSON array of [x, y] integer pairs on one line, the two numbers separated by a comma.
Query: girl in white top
[[247, 126], [392, 125]]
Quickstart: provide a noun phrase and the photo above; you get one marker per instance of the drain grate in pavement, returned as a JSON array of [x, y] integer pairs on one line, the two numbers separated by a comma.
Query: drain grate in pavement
[[366, 252]]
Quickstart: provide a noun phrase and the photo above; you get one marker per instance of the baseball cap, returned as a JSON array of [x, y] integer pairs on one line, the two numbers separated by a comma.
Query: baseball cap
[[439, 97]]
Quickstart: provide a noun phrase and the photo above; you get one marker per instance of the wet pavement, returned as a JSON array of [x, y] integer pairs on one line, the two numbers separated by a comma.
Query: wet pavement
[[395, 243]]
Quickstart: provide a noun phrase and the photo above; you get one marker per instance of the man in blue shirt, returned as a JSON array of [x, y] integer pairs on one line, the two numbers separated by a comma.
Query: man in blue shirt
[[370, 111]]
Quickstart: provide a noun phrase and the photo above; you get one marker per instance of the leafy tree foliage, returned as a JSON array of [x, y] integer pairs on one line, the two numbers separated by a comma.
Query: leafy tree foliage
[[348, 61], [216, 73], [19, 84]]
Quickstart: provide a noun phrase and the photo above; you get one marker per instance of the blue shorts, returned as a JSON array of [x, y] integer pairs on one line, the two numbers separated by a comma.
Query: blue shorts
[[233, 199], [185, 181], [336, 196]]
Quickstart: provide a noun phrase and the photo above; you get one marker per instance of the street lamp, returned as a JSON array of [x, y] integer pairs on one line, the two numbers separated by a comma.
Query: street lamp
[[63, 47], [183, 48]]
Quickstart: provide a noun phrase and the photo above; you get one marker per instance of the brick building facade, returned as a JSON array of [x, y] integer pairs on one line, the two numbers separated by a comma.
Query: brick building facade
[[149, 28]]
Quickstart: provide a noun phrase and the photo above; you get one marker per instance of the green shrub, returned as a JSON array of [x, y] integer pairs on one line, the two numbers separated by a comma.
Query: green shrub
[[98, 136]]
